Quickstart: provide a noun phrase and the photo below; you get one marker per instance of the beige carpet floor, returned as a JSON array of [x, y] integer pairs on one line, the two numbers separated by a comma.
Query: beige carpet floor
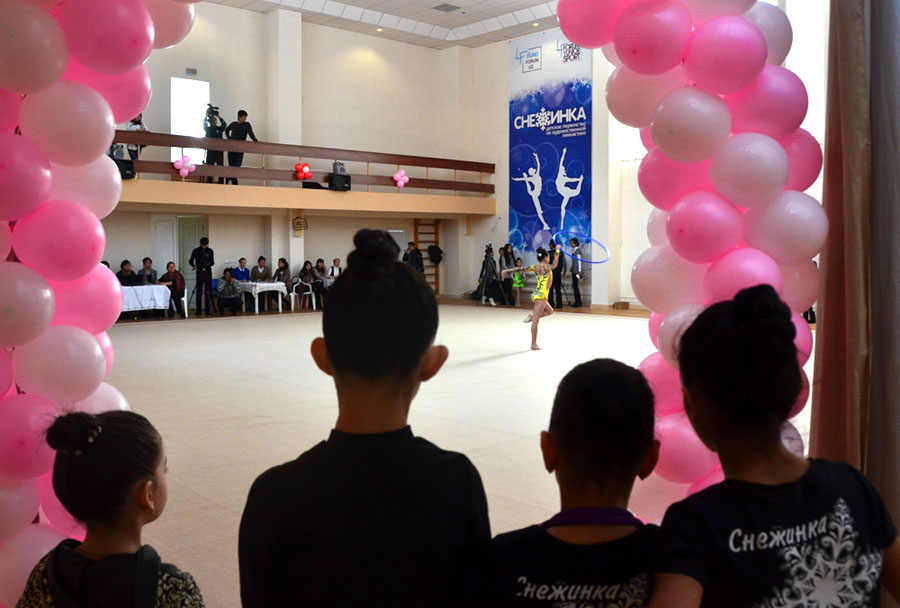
[[234, 396]]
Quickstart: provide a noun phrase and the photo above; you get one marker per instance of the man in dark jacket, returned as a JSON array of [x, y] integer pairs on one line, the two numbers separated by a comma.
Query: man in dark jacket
[[239, 130], [214, 126], [413, 257], [202, 260]]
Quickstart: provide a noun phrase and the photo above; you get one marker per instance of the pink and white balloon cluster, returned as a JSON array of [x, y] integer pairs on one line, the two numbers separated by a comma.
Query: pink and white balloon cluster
[[401, 178], [726, 168], [69, 71], [184, 166]]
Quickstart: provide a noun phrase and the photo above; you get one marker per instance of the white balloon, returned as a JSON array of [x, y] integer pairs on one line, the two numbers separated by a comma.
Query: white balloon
[[33, 52], [20, 555], [26, 304], [64, 364], [656, 227], [663, 280], [791, 230], [801, 285], [106, 398], [690, 125], [703, 10], [672, 328], [750, 170], [97, 185], [776, 27], [19, 501], [633, 98]]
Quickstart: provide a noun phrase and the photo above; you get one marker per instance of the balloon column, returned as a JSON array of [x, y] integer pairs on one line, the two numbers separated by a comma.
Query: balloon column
[[61, 95], [726, 167]]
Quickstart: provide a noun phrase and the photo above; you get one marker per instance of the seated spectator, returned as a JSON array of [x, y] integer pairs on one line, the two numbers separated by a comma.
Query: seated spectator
[[335, 270], [127, 276], [261, 274], [599, 440], [110, 474], [242, 273], [229, 294], [282, 275], [148, 273], [175, 282], [373, 516], [321, 276]]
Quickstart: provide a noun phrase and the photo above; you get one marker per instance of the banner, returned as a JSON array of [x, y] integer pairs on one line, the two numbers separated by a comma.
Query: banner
[[549, 142]]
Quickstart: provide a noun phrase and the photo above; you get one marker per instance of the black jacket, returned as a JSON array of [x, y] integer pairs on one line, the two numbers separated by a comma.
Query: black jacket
[[414, 259], [202, 258]]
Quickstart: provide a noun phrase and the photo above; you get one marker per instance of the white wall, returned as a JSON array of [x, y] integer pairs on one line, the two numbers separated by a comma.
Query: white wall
[[332, 237], [128, 237], [235, 236]]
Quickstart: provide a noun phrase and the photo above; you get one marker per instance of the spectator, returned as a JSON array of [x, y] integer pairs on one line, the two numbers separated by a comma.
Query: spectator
[[202, 260], [175, 282], [321, 275], [413, 257], [559, 271], [282, 275], [136, 124], [127, 276], [261, 274], [373, 516], [110, 474], [507, 262], [335, 271], [229, 293], [147, 273], [577, 271], [242, 273], [214, 127], [238, 130], [308, 275], [600, 440]]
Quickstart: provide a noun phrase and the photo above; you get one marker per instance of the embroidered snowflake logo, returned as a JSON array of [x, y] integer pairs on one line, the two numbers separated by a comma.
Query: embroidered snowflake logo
[[543, 118], [830, 572]]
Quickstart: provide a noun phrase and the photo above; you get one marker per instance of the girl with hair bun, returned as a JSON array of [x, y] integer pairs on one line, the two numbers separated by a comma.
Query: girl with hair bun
[[110, 474], [780, 530], [543, 271], [373, 516]]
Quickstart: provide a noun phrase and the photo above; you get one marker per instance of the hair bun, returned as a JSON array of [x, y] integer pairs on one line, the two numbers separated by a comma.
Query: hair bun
[[70, 432], [759, 310], [374, 249]]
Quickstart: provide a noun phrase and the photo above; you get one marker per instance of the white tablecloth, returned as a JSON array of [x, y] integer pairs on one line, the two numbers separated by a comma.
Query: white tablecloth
[[255, 289], [145, 297]]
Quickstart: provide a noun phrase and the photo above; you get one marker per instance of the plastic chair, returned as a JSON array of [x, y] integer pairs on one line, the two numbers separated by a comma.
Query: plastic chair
[[306, 292]]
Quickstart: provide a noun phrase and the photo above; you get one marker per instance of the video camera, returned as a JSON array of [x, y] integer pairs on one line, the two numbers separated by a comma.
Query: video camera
[[489, 249], [212, 110]]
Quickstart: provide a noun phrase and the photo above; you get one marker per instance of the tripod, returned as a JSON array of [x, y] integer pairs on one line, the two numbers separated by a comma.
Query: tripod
[[211, 306], [490, 279]]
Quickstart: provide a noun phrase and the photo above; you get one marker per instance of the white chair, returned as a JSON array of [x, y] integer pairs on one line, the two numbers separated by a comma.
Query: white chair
[[306, 291]]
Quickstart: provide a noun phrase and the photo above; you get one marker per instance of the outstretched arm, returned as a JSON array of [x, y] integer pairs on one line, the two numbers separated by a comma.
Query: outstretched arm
[[537, 161]]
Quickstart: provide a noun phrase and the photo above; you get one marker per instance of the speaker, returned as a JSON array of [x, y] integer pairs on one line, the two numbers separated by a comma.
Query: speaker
[[338, 182], [126, 167]]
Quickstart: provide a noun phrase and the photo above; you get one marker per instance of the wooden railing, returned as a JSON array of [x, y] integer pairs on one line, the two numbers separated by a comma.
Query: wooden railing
[[306, 154]]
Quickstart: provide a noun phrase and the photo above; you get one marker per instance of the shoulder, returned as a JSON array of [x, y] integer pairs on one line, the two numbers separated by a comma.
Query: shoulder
[[177, 589], [517, 540], [37, 588], [278, 477], [456, 466]]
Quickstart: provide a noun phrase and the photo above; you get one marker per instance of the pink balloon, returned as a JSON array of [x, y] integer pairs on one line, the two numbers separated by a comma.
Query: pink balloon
[[690, 125], [27, 304], [804, 339], [802, 398], [171, 21], [663, 379], [652, 496], [70, 122], [664, 182], [704, 226], [106, 398], [185, 160], [726, 55], [33, 51], [750, 170], [96, 185], [682, 456], [774, 105], [653, 327], [632, 97], [663, 281], [109, 354], [609, 51], [717, 476], [6, 371], [183, 172], [23, 421], [805, 155], [127, 94], [647, 139], [9, 111], [24, 177], [740, 269], [791, 229], [776, 27], [5, 241], [63, 365], [18, 505], [92, 302], [589, 23], [792, 439], [652, 37], [56, 514], [20, 555], [673, 327], [94, 27], [45, 4], [656, 228], [801, 285], [701, 10], [76, 246]]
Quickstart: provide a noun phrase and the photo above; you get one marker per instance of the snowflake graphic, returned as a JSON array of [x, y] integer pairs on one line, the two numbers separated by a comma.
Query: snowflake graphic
[[830, 572], [543, 118]]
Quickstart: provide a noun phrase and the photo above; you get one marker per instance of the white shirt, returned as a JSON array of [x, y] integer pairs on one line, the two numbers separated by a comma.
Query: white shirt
[[136, 127], [335, 271]]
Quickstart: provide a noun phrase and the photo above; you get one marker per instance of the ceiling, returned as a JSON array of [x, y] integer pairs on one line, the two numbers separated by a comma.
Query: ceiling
[[470, 23]]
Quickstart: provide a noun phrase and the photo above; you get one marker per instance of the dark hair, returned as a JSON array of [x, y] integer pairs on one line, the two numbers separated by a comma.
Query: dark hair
[[172, 263], [381, 316], [99, 459], [602, 421], [320, 261], [124, 264], [411, 244], [227, 271], [507, 254], [204, 241], [145, 260], [105, 263], [518, 259], [741, 355], [573, 240], [242, 259], [307, 263], [242, 113], [282, 261], [260, 259], [541, 253]]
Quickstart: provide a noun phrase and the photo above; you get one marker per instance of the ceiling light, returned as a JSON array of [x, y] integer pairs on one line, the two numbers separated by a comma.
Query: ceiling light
[[381, 29], [535, 24]]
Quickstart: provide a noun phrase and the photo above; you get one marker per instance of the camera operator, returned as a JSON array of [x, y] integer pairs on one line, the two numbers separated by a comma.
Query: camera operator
[[488, 279], [214, 127], [229, 294], [413, 257], [577, 272], [202, 260]]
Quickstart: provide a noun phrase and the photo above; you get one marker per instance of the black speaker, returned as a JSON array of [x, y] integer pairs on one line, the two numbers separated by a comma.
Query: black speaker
[[338, 182], [126, 167]]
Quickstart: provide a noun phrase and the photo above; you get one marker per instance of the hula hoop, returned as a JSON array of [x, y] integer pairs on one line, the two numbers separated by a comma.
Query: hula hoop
[[583, 237]]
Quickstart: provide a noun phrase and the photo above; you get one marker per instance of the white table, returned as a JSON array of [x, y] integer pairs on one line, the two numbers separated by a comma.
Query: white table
[[255, 289], [145, 297]]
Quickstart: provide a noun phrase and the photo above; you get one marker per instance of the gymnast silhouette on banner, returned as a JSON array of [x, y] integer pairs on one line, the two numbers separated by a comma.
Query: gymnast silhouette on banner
[[534, 185]]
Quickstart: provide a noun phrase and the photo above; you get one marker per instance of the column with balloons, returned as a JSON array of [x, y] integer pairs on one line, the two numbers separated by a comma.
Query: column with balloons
[[725, 170], [69, 71]]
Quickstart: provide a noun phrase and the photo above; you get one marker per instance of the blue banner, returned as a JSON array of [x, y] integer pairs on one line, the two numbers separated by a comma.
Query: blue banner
[[549, 142]]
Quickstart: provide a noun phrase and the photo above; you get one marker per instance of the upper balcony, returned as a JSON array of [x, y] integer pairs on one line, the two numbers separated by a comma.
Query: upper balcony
[[438, 187]]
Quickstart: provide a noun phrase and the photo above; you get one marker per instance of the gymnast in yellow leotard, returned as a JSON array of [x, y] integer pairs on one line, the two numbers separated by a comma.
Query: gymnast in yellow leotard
[[544, 274]]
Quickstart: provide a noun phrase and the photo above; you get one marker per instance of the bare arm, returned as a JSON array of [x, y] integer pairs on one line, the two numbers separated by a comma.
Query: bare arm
[[676, 591], [891, 576]]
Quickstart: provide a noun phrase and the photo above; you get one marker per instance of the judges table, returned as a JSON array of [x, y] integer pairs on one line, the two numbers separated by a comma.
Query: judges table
[[145, 297], [255, 289]]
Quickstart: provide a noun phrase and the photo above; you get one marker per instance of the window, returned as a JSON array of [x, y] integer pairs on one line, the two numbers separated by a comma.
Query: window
[[189, 99]]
